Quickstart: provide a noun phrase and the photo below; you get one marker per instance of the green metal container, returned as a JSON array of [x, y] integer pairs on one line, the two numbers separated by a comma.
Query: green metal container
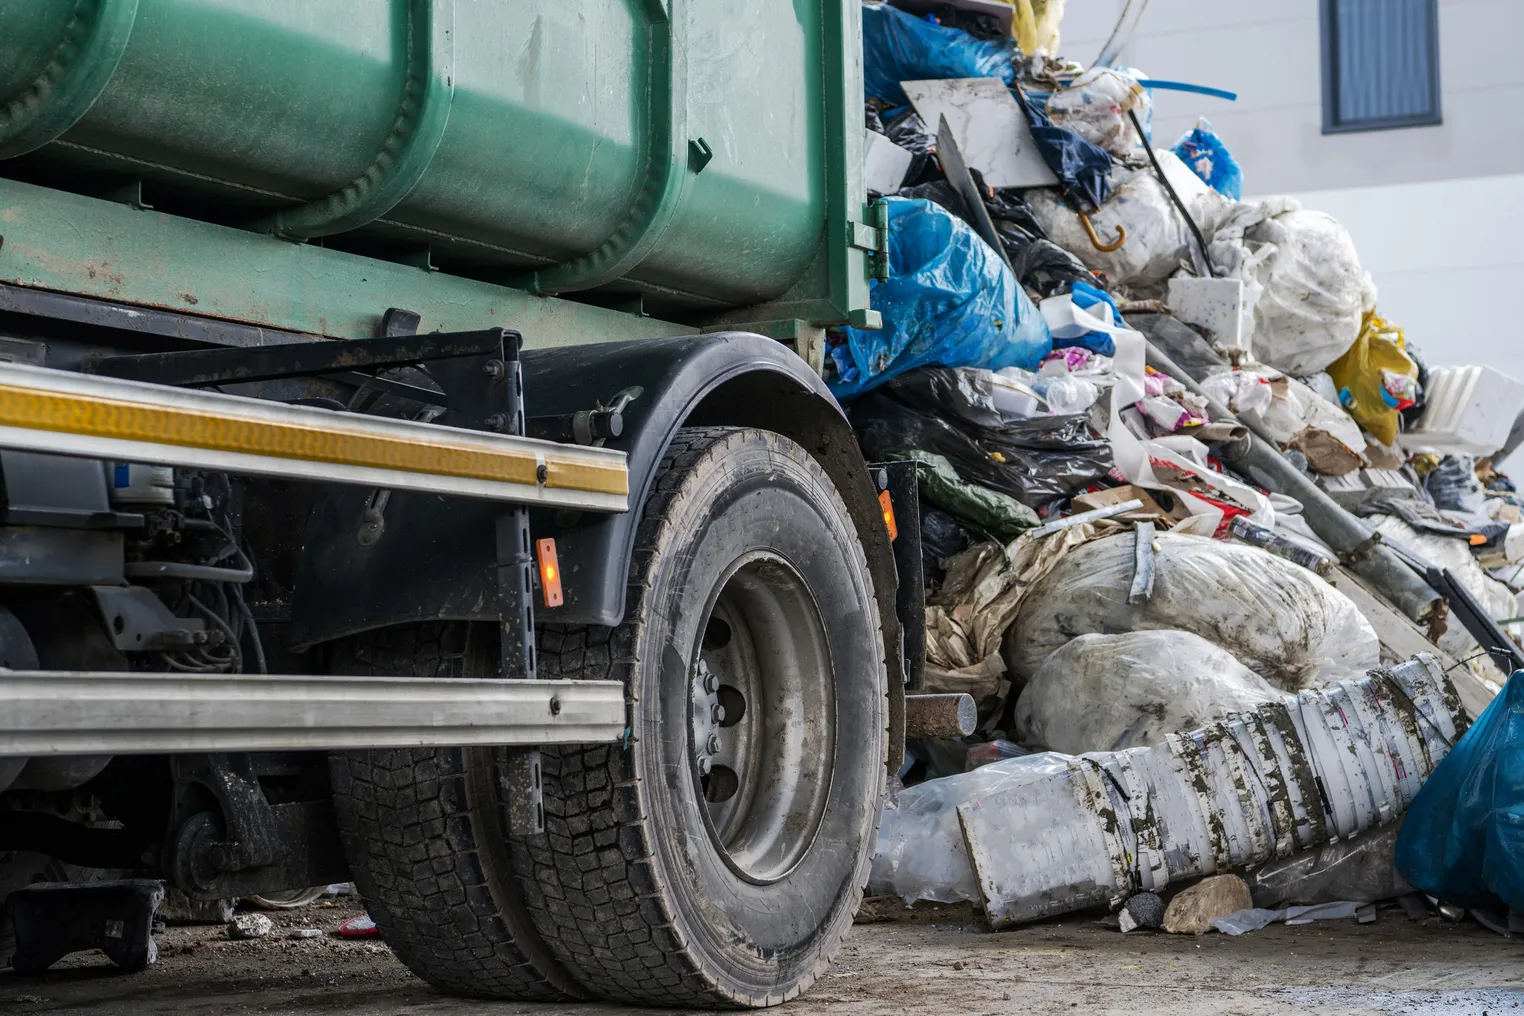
[[693, 160]]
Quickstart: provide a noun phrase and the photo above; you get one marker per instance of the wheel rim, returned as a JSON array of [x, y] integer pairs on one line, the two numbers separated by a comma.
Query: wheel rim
[[763, 718]]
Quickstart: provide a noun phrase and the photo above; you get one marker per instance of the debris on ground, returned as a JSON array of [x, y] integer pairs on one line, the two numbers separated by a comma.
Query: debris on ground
[[360, 926], [1193, 910], [247, 926], [1153, 510]]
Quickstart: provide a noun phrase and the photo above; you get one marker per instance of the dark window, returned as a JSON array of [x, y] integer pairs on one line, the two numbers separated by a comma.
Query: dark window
[[1380, 64]]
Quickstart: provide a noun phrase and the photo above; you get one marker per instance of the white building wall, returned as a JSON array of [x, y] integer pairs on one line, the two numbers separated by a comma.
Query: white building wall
[[1437, 212]]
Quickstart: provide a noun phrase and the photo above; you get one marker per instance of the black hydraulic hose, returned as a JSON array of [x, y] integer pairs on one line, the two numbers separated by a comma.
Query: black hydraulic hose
[[1195, 230]]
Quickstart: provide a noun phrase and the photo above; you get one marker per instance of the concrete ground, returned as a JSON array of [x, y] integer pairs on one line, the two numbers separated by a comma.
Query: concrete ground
[[924, 962]]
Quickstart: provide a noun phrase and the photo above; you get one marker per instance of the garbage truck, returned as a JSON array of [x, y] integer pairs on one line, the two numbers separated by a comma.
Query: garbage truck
[[417, 470]]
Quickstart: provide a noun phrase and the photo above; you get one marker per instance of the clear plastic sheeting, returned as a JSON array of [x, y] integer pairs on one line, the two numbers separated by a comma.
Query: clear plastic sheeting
[[1305, 292], [1253, 920], [1362, 869], [950, 300], [1095, 106], [1108, 692], [1280, 621], [920, 846]]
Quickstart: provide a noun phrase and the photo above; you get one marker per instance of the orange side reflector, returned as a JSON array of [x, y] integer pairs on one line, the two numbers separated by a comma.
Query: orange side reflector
[[886, 504], [550, 572], [1477, 539]]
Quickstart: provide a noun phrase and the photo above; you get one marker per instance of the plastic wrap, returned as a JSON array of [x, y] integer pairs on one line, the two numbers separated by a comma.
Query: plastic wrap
[[1253, 920], [902, 47], [949, 300], [1036, 461], [1201, 149], [1362, 869], [1095, 106], [1108, 692], [1454, 486], [920, 846], [1305, 292], [1300, 418], [1281, 621], [1463, 837], [1158, 238]]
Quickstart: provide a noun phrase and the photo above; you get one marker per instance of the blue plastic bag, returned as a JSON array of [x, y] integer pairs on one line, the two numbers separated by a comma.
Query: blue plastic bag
[[902, 47], [1086, 297], [1203, 151], [1462, 839], [950, 300]]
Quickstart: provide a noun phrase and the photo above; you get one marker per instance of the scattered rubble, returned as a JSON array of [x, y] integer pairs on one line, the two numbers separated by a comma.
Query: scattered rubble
[[1205, 506], [247, 926], [1193, 910]]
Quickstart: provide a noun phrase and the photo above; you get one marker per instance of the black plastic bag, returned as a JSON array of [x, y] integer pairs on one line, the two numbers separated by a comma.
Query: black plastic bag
[[871, 120], [941, 538], [964, 393], [1035, 461], [907, 131], [1044, 267], [1007, 204]]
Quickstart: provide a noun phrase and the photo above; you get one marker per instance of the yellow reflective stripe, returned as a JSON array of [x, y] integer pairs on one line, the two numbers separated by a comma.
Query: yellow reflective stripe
[[95, 416]]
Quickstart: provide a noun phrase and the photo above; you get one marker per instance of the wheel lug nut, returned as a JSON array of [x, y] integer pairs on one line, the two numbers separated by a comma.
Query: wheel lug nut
[[714, 743], [711, 683], [717, 713], [704, 765]]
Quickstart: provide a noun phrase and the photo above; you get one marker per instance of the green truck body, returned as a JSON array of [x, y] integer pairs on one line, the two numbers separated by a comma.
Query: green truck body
[[688, 165]]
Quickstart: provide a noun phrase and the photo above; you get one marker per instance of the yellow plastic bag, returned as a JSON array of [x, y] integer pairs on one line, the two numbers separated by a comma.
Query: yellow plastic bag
[[1376, 378], [1035, 24]]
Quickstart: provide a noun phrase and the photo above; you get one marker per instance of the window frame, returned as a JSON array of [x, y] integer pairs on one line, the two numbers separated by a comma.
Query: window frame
[[1328, 31]]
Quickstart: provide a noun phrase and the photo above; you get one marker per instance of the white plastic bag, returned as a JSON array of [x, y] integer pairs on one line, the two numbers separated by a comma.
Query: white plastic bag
[[921, 855], [1095, 106], [1109, 692], [1281, 621], [1298, 417], [1158, 239], [1303, 284]]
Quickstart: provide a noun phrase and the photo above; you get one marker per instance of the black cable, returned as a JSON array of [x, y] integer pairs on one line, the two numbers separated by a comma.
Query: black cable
[[1195, 230]]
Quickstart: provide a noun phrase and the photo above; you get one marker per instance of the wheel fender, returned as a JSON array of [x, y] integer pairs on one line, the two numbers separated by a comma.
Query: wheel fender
[[435, 557]]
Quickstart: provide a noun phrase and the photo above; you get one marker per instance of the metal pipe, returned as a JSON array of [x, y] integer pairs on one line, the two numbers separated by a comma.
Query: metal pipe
[[940, 715], [1358, 547]]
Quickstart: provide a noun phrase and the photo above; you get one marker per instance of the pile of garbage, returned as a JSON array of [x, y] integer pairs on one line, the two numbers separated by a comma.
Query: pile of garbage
[[1186, 496]]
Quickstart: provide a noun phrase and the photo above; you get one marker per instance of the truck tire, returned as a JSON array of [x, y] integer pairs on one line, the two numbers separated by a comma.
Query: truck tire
[[655, 882], [426, 836]]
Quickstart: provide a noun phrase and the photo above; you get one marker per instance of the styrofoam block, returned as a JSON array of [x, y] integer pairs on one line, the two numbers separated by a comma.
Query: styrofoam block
[[1467, 410], [1213, 304], [884, 163]]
